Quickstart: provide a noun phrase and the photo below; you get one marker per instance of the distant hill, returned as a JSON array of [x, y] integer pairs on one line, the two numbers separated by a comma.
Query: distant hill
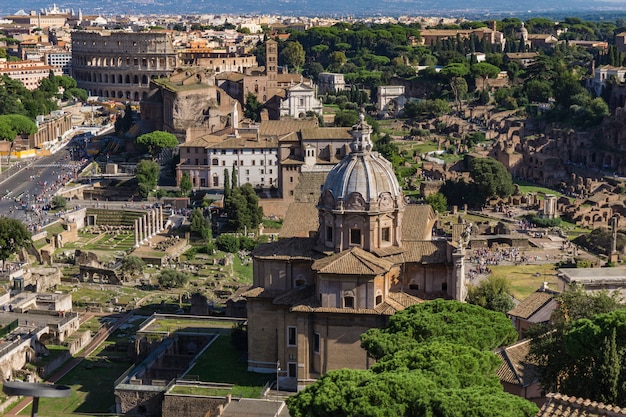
[[459, 8]]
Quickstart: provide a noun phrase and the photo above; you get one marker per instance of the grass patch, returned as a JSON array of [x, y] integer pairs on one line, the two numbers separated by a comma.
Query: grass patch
[[54, 228], [242, 272], [221, 362], [526, 279], [526, 187], [92, 388]]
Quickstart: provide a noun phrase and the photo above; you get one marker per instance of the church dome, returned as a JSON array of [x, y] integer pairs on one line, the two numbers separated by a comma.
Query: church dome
[[363, 179]]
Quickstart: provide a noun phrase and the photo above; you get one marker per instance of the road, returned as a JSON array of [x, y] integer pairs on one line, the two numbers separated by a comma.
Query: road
[[27, 190]]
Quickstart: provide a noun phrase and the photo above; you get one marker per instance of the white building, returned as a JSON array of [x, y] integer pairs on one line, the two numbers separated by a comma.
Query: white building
[[604, 74], [299, 100]]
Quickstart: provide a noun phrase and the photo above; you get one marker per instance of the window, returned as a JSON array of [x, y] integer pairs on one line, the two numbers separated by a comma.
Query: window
[[379, 299], [262, 171], [234, 163], [348, 301], [290, 179], [271, 171], [316, 343], [291, 336], [223, 163], [247, 172], [261, 162], [385, 234], [329, 233], [355, 236], [253, 162], [444, 286], [215, 162]]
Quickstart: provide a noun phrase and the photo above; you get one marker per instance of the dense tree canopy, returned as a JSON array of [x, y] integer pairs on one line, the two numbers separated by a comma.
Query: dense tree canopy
[[157, 141], [13, 236], [570, 350], [493, 293], [147, 176], [491, 178], [432, 359], [12, 125]]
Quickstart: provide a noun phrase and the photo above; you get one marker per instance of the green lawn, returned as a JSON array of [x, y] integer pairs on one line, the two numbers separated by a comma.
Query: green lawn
[[221, 362], [525, 187], [526, 279], [92, 387]]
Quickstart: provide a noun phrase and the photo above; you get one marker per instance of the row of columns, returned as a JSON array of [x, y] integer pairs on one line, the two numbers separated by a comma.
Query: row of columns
[[148, 225]]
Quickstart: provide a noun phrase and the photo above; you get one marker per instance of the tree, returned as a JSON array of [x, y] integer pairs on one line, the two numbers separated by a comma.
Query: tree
[[200, 224], [59, 202], [484, 70], [227, 243], [491, 178], [147, 174], [252, 109], [12, 125], [132, 266], [171, 278], [494, 293], [157, 141], [226, 184], [431, 359], [293, 54], [185, 184], [13, 236], [124, 123], [438, 202], [563, 367]]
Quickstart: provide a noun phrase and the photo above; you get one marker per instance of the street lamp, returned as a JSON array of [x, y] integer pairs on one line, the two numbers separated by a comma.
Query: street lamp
[[277, 371]]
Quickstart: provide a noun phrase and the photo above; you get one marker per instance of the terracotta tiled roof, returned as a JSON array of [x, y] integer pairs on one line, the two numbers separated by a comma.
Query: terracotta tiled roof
[[286, 249], [326, 133], [417, 222], [245, 142], [308, 191], [282, 127], [201, 142], [559, 405], [426, 251], [230, 76], [515, 369], [300, 220], [531, 304], [354, 261]]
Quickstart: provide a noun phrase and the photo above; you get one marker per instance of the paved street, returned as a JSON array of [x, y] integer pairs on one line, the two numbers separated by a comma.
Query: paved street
[[30, 185]]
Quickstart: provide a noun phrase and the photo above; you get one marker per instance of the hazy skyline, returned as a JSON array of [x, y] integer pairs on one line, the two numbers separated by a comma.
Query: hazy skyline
[[358, 8]]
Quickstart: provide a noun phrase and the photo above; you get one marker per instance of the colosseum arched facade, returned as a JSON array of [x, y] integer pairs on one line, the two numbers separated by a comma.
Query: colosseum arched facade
[[119, 65]]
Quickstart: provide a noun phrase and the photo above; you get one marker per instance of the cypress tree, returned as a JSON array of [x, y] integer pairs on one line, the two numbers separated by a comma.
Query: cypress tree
[[235, 179], [226, 184]]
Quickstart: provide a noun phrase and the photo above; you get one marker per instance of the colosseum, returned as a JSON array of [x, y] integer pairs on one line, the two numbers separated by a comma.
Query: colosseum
[[120, 65]]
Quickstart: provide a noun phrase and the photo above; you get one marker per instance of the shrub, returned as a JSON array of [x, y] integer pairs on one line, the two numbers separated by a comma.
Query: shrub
[[227, 243]]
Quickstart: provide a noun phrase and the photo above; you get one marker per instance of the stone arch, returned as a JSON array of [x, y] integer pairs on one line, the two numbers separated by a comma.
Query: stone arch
[[144, 79]]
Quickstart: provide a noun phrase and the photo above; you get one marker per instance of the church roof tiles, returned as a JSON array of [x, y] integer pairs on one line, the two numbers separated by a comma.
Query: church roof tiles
[[354, 261]]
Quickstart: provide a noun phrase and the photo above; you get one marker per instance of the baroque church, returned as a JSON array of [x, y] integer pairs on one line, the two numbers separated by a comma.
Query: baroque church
[[361, 254]]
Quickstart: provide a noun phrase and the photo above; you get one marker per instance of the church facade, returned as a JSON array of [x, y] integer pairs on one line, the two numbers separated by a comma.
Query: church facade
[[370, 255]]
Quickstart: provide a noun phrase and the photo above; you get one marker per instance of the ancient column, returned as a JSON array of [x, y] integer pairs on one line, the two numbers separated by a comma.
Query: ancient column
[[136, 233], [148, 225], [161, 225], [142, 234], [155, 222]]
